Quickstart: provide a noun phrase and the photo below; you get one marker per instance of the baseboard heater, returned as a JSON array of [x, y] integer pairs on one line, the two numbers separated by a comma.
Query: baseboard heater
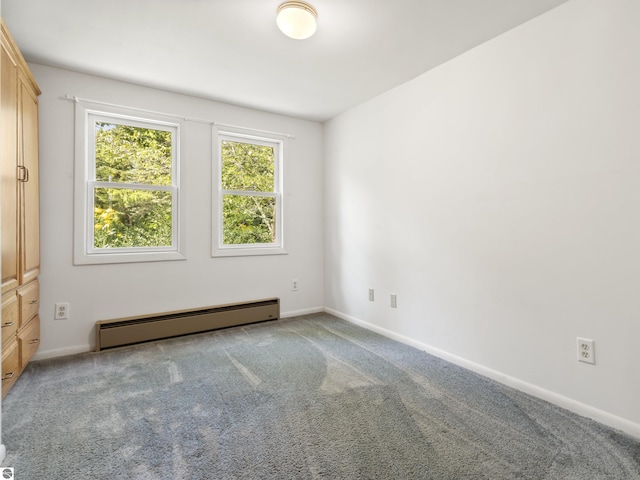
[[131, 330]]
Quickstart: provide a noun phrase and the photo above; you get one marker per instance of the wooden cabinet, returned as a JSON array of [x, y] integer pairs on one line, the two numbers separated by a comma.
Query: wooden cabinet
[[20, 204], [20, 330]]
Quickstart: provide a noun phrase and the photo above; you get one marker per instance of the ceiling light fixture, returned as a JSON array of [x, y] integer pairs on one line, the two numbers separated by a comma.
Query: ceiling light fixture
[[297, 19]]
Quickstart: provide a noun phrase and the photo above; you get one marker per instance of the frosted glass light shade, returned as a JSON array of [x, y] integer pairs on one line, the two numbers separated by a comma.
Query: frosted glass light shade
[[297, 20]]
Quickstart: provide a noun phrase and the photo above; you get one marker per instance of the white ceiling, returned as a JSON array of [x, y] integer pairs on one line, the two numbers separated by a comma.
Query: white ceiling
[[232, 51]]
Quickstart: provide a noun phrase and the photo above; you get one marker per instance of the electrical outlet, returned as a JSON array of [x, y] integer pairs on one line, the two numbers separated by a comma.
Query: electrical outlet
[[394, 300], [371, 295], [294, 285], [62, 311], [586, 351]]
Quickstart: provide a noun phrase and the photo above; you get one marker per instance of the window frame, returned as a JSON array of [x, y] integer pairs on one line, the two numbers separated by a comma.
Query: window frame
[[85, 183], [219, 248]]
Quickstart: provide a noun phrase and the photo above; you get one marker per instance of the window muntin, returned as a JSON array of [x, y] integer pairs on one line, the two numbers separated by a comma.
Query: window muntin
[[130, 189], [250, 195]]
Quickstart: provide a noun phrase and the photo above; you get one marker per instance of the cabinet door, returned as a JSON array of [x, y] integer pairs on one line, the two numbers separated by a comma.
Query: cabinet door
[[28, 302], [29, 341], [8, 169], [10, 366], [10, 317], [30, 215]]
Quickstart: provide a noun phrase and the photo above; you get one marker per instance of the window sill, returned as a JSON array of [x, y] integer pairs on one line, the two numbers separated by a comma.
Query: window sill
[[247, 251], [108, 258]]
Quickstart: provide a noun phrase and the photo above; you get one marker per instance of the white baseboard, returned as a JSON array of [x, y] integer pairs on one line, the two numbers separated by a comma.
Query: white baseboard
[[570, 404], [305, 311], [61, 352]]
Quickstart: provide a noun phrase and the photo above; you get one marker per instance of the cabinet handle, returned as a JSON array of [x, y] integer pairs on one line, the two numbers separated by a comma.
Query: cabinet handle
[[35, 340], [8, 324], [23, 175], [32, 302], [7, 376]]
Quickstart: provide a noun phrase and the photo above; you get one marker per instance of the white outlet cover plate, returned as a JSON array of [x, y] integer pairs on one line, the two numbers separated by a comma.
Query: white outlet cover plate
[[61, 311], [586, 351]]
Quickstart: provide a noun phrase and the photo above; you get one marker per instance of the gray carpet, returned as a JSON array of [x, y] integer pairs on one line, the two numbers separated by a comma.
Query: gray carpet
[[304, 398]]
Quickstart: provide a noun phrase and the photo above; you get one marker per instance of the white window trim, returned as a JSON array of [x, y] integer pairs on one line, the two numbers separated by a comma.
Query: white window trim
[[84, 251], [218, 249]]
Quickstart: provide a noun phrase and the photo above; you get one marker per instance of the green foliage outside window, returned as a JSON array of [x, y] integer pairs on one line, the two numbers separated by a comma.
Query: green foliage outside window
[[132, 217], [127, 216], [248, 218]]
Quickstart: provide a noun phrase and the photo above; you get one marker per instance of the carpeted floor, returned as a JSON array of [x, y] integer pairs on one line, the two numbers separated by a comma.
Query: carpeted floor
[[304, 398]]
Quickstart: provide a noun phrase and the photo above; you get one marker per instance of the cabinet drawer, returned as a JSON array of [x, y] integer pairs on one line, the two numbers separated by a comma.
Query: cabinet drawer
[[29, 300], [29, 341], [10, 366], [10, 317]]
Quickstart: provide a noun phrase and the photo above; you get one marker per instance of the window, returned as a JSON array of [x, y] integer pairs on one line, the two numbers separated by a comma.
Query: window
[[126, 188], [249, 201]]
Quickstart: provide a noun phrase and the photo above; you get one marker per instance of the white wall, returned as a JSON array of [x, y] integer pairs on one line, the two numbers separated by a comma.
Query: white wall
[[113, 291], [498, 195]]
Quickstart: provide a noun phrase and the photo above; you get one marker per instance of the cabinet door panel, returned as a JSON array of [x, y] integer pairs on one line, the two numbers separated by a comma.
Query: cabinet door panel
[[29, 302], [10, 317], [10, 366], [8, 170], [30, 225], [29, 341]]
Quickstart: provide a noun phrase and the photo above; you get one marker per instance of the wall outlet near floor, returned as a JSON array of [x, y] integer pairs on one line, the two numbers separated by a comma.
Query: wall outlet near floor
[[394, 300], [371, 295], [62, 311], [586, 351], [294, 285]]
